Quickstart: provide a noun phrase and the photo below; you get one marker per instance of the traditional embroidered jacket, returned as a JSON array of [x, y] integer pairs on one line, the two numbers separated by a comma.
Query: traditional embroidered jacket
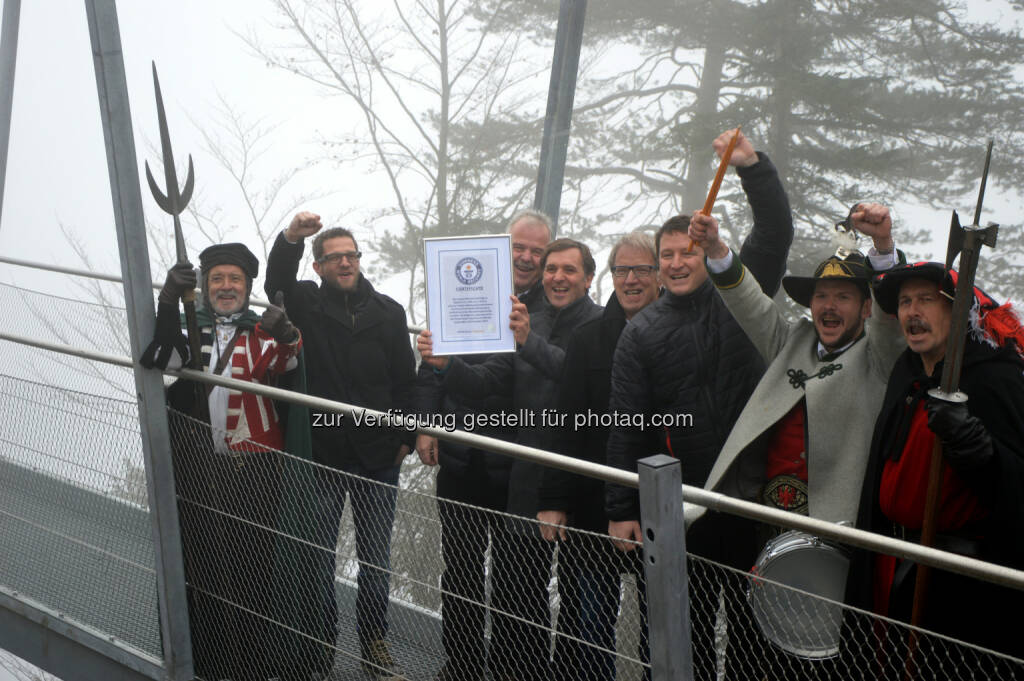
[[842, 397], [256, 357]]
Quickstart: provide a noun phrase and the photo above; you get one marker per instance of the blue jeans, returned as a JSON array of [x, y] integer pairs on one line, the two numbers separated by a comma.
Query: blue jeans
[[373, 511]]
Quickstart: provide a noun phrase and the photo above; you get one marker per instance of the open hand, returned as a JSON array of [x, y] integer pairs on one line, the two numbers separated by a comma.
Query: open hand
[[553, 524]]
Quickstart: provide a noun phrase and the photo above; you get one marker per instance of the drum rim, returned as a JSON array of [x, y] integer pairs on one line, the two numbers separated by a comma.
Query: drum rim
[[781, 545]]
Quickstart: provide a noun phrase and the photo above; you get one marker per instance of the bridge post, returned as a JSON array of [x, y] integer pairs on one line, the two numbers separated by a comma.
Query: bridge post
[[122, 164], [668, 604], [8, 59], [558, 119]]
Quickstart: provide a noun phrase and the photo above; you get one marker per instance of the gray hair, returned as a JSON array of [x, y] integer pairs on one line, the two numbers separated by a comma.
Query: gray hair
[[640, 240], [532, 214]]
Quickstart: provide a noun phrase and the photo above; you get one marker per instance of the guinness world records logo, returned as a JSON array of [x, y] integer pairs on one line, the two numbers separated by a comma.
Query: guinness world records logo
[[469, 270]]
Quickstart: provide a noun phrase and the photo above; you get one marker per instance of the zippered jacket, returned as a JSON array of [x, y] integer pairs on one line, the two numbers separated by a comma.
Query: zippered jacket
[[357, 351], [683, 368]]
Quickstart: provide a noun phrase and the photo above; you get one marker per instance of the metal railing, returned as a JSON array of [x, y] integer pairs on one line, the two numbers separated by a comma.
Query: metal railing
[[695, 496], [715, 591], [116, 279]]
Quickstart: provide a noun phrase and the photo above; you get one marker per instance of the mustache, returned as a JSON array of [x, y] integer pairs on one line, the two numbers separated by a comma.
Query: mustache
[[917, 326]]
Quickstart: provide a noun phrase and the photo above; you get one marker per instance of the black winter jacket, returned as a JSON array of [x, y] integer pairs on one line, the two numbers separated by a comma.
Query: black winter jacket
[[530, 377], [583, 394], [468, 463], [357, 350], [686, 355]]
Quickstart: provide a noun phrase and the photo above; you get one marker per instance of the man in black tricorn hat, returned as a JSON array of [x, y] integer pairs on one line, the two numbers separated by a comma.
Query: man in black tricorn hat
[[981, 502], [226, 467], [801, 442]]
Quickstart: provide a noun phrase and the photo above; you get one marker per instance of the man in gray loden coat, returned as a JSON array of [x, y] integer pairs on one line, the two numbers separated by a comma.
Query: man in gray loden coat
[[801, 443]]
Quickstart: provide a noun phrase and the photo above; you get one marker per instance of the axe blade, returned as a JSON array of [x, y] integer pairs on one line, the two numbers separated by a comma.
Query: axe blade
[[956, 240], [988, 235]]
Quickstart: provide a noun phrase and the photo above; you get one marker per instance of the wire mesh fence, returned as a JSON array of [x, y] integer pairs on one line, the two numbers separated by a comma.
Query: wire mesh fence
[[408, 585], [100, 326], [74, 527], [296, 570], [300, 571], [785, 619]]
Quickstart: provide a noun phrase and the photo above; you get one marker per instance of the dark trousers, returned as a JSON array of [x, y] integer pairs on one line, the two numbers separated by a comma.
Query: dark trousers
[[963, 608], [373, 511], [729, 540], [227, 507], [521, 615], [465, 536], [590, 573]]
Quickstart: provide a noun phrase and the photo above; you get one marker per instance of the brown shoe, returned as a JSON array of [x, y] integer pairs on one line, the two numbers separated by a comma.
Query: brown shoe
[[379, 664]]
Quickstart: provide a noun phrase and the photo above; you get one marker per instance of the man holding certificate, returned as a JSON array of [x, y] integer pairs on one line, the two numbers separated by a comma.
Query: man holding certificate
[[471, 483], [529, 376]]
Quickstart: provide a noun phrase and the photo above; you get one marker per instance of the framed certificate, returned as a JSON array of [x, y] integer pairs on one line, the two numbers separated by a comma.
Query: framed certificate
[[469, 284]]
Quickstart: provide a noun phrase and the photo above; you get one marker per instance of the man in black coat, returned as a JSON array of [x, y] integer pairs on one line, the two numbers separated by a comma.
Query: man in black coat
[[981, 502], [589, 568], [684, 360], [521, 558], [357, 351], [471, 480]]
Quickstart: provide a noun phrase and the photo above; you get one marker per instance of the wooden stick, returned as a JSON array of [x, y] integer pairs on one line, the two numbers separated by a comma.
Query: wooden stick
[[723, 165]]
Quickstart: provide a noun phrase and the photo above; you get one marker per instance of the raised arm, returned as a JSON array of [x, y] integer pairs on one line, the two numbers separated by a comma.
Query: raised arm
[[758, 315], [285, 255], [766, 248]]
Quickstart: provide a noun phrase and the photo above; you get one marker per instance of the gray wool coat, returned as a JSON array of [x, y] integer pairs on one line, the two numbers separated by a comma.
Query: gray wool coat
[[843, 398]]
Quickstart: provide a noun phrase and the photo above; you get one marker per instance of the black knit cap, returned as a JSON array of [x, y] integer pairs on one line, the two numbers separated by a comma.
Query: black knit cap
[[852, 269], [229, 254]]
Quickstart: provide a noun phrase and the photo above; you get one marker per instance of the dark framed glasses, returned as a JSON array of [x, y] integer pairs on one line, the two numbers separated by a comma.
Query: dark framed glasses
[[641, 271], [335, 258]]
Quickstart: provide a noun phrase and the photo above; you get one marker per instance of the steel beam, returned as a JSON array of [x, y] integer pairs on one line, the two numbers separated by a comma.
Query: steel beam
[[8, 58], [122, 164], [557, 121], [66, 648]]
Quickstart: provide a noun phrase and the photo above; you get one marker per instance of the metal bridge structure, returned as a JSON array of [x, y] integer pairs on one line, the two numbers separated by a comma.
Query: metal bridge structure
[[95, 534]]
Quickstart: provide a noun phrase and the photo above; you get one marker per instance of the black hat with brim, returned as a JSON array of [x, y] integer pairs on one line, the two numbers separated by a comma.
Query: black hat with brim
[[851, 268], [229, 254], [887, 284]]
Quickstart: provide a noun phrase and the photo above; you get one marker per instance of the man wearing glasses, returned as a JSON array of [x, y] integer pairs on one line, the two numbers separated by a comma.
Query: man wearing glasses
[[590, 568], [358, 353], [687, 367]]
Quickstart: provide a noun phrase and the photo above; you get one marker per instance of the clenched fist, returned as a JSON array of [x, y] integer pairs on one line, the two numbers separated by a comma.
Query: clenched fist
[[303, 224]]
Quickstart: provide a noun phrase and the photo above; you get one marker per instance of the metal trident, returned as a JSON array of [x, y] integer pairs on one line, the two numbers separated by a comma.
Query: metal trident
[[174, 202]]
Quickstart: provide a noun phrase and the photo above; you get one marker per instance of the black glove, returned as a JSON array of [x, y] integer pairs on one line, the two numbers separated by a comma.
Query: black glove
[[968, 444], [180, 278], [275, 321]]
